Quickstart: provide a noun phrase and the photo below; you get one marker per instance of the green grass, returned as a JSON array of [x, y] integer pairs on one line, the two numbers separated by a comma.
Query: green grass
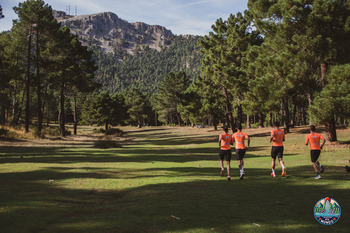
[[167, 180]]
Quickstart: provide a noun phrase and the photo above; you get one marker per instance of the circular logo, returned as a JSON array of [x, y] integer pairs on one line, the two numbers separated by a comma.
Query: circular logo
[[327, 211]]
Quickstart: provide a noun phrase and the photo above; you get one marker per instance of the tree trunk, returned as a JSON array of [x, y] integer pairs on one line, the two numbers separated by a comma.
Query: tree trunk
[[248, 122], [229, 111], [304, 115], [38, 83], [75, 113], [323, 73], [331, 133], [178, 119], [14, 100], [239, 114], [26, 127], [62, 115], [286, 116], [293, 121], [43, 105], [261, 120], [155, 118], [309, 98], [2, 111], [271, 120]]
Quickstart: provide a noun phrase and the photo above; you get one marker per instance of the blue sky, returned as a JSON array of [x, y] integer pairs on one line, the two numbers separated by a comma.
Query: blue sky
[[180, 16]]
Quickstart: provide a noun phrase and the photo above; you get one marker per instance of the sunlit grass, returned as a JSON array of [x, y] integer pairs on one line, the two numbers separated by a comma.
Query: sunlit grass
[[167, 179]]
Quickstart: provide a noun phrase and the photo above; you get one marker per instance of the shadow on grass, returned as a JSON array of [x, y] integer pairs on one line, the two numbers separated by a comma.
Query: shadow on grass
[[258, 203], [181, 199]]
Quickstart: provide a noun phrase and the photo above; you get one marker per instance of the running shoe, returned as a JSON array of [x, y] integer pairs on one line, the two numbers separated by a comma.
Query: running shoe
[[241, 176], [317, 177], [228, 178], [284, 172], [321, 169], [273, 174]]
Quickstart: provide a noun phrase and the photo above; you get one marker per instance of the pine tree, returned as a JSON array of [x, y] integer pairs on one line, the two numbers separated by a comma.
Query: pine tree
[[1, 15], [318, 32], [334, 99], [37, 17], [171, 92], [136, 104]]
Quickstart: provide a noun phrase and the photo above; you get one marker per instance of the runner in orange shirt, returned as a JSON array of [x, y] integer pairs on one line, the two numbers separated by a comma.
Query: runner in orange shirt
[[315, 149], [277, 138], [225, 142], [239, 138]]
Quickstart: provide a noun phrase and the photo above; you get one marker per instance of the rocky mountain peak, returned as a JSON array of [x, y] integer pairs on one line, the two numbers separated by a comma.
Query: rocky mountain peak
[[110, 32]]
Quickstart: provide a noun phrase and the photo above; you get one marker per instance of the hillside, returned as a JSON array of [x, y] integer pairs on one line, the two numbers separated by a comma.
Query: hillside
[[133, 54]]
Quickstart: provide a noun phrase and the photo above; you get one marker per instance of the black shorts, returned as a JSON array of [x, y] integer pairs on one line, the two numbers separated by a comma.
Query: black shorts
[[225, 154], [240, 153], [314, 155], [277, 151]]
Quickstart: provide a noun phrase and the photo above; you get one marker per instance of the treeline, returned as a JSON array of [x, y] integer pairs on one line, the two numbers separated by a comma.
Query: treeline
[[284, 60], [41, 64], [280, 60], [146, 68]]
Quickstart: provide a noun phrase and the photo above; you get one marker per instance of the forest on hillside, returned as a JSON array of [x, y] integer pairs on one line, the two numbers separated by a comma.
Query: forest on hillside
[[282, 60], [146, 68]]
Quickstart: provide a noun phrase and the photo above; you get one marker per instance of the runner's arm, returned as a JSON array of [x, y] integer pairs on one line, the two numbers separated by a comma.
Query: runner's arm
[[307, 141], [324, 141]]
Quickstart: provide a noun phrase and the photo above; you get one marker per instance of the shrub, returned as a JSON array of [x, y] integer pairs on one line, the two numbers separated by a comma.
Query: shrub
[[38, 134], [54, 132], [100, 130], [3, 132], [115, 131], [106, 143]]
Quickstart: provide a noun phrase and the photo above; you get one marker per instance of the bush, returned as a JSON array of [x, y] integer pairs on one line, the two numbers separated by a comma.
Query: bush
[[106, 143], [38, 134], [100, 130], [3, 132], [112, 131], [54, 132], [115, 131]]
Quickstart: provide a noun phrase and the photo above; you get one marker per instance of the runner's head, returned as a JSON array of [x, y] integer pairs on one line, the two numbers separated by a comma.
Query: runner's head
[[239, 127], [312, 128], [276, 124], [225, 128]]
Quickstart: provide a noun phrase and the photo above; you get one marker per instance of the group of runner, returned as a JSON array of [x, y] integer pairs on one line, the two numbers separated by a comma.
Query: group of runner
[[277, 138]]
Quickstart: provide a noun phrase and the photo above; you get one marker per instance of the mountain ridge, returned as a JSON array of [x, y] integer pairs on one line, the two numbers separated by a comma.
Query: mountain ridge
[[110, 32]]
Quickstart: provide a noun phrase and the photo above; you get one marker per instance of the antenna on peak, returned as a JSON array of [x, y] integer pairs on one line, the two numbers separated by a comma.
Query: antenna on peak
[[76, 10]]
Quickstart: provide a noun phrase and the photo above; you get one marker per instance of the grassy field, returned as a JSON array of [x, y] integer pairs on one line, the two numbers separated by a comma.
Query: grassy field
[[167, 180]]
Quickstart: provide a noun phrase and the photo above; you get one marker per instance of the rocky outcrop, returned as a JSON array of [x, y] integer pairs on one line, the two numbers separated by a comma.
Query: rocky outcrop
[[110, 32]]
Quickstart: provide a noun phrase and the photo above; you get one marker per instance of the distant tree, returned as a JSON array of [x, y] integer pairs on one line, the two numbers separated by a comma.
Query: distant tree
[[72, 67], [224, 50], [4, 74], [190, 105], [212, 100], [104, 109], [136, 103], [171, 92], [215, 62], [1, 15], [334, 99]]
